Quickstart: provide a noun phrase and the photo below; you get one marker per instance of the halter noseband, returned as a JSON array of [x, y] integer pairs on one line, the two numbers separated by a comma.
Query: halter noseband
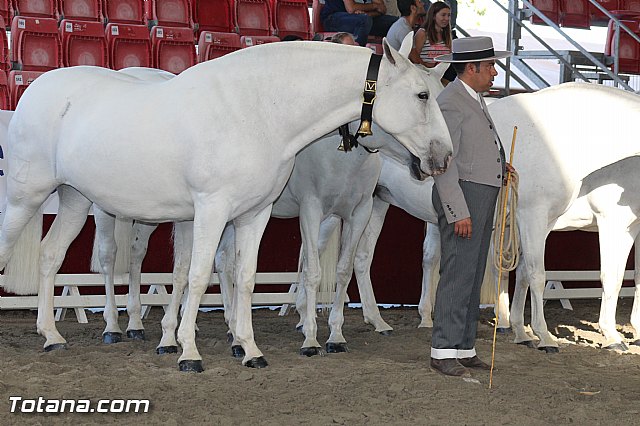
[[350, 141]]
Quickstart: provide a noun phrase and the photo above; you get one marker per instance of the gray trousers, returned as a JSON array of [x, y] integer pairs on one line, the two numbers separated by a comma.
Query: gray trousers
[[457, 305]]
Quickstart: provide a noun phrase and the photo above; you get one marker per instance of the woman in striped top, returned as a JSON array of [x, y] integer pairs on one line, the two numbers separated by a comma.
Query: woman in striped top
[[434, 38]]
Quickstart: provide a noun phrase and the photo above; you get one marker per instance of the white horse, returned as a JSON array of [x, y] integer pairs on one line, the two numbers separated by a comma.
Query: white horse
[[315, 191], [114, 140], [568, 180]]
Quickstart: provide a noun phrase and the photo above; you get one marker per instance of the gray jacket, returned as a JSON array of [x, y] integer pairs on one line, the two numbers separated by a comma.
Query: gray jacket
[[478, 155]]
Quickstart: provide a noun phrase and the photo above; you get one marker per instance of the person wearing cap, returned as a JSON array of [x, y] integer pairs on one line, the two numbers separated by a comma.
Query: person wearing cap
[[465, 199]]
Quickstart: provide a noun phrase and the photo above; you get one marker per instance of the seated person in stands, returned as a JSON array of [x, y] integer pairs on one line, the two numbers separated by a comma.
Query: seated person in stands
[[359, 19], [434, 38], [410, 10], [344, 38]]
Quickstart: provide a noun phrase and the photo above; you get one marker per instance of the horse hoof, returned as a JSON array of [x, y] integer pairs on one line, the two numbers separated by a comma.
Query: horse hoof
[[135, 334], [163, 350], [55, 347], [527, 343], [386, 332], [636, 342], [258, 362], [617, 347], [110, 337], [549, 349], [334, 348], [237, 351], [310, 351], [191, 366], [229, 337], [503, 330]]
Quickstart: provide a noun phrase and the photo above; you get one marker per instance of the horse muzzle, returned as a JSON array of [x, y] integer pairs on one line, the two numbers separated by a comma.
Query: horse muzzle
[[435, 165]]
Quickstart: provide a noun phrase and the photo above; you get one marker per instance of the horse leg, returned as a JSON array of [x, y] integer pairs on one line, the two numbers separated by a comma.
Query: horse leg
[[225, 265], [310, 230], [430, 261], [362, 266], [352, 230], [140, 243], [182, 246], [72, 215], [105, 235], [615, 244], [209, 222], [531, 273], [635, 312], [249, 230]]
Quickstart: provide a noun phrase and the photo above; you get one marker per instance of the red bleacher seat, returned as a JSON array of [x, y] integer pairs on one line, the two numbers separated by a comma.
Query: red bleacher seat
[[631, 5], [291, 17], [5, 61], [5, 97], [129, 46], [6, 11], [36, 8], [212, 45], [83, 43], [628, 49], [124, 11], [85, 10], [550, 8], [173, 48], [213, 16], [253, 17], [597, 17], [169, 13], [248, 41], [18, 83], [35, 44], [575, 14]]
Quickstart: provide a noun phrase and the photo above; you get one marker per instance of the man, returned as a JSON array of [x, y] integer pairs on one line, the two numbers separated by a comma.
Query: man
[[410, 10], [465, 199], [359, 19]]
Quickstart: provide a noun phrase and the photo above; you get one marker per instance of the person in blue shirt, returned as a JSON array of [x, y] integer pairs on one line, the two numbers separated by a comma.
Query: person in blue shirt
[[359, 19]]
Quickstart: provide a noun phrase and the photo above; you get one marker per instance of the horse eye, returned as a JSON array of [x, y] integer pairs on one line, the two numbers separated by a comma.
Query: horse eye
[[423, 95]]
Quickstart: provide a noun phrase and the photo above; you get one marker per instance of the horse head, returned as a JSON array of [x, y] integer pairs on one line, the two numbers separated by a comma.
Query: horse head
[[406, 108]]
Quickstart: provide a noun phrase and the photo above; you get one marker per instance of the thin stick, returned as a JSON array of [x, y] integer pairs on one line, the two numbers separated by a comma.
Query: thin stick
[[503, 222]]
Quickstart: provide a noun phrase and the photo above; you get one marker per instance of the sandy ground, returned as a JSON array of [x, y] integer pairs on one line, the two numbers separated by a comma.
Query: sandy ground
[[383, 380]]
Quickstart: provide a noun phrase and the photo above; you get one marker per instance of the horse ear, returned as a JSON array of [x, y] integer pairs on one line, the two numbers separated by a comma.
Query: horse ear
[[407, 45], [393, 55], [440, 69]]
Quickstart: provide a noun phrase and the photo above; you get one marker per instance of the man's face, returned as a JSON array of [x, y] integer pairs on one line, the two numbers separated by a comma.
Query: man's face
[[483, 78]]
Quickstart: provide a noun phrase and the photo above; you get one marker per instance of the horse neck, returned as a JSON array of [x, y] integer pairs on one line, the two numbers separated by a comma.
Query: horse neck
[[301, 94]]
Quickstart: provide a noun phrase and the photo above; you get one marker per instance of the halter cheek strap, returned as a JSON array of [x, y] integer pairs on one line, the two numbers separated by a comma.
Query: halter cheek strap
[[369, 96], [350, 141]]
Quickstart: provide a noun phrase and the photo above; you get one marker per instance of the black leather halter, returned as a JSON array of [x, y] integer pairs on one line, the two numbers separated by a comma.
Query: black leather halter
[[350, 141]]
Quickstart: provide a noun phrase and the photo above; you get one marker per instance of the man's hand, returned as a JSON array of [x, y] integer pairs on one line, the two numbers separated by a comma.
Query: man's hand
[[510, 170], [462, 228]]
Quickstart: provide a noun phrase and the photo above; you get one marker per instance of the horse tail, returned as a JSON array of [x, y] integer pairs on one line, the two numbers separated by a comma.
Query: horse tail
[[123, 234], [22, 273]]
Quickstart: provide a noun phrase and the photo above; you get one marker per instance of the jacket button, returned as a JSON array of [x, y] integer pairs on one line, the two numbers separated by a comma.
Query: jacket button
[[498, 160], [490, 126], [499, 176]]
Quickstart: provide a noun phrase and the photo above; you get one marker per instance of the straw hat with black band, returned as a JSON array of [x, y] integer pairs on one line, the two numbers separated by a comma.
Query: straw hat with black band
[[472, 49]]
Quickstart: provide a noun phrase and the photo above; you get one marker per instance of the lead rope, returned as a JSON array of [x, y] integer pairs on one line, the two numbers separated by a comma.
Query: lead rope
[[500, 222]]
